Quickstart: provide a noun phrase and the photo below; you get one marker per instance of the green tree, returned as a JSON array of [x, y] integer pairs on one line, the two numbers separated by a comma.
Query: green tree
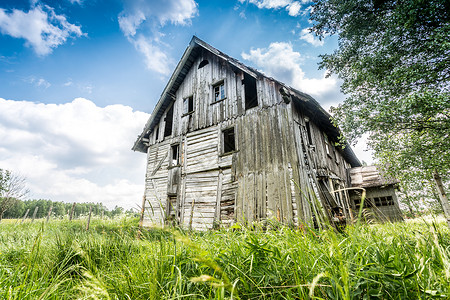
[[12, 188], [393, 58]]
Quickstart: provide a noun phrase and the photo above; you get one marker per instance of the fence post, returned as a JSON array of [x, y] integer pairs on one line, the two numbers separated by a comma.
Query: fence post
[[89, 218], [34, 214], [71, 212], [49, 213], [25, 215]]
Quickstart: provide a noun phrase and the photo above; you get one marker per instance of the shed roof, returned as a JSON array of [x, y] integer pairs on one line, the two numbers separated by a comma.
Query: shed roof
[[369, 176], [308, 104]]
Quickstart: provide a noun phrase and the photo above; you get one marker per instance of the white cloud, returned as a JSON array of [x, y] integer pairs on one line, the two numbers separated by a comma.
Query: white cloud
[[154, 14], [155, 58], [75, 151], [41, 27], [38, 82], [310, 38], [292, 7], [280, 61]]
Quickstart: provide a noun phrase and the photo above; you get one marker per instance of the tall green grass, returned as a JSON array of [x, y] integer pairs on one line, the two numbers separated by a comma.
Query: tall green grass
[[114, 260]]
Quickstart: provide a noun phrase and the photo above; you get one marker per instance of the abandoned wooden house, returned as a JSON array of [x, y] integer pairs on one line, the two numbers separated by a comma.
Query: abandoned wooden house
[[225, 144]]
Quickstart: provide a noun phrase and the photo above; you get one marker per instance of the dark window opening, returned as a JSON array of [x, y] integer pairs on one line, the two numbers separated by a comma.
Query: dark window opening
[[188, 104], [308, 132], [175, 161], [156, 133], [169, 120], [251, 95], [229, 144], [219, 91], [203, 63]]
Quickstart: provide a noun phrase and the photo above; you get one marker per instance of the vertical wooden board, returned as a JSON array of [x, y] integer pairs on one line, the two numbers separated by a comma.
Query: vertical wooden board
[[240, 198], [288, 214], [272, 194], [260, 196], [250, 197]]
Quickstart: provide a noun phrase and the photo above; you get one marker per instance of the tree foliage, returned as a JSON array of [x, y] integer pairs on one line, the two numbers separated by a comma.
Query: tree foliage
[[394, 59], [12, 189]]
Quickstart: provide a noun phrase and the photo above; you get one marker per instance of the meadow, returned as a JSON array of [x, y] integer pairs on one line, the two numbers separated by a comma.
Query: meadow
[[115, 260]]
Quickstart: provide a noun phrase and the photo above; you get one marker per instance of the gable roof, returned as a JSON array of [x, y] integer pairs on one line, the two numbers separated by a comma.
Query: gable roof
[[308, 104]]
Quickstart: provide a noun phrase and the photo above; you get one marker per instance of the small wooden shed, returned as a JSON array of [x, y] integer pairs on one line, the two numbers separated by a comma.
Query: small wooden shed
[[381, 202], [225, 144]]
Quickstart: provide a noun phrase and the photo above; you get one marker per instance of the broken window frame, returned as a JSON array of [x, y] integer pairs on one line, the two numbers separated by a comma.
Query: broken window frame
[[221, 91], [174, 158], [188, 105], [156, 133], [226, 146], [327, 145]]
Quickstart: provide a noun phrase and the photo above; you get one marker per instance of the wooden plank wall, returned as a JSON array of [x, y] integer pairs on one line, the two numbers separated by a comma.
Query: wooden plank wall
[[266, 167], [156, 183]]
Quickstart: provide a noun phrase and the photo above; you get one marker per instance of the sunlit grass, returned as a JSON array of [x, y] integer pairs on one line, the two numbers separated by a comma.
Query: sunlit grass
[[114, 260]]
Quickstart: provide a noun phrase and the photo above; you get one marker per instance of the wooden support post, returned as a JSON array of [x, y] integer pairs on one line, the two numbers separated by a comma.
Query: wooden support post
[[89, 218], [25, 215], [442, 196], [49, 213], [71, 211], [34, 213]]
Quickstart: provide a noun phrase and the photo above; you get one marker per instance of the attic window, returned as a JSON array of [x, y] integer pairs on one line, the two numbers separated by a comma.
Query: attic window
[[188, 105], [327, 145], [219, 91], [308, 131], [169, 121], [156, 133], [251, 95], [229, 144], [203, 63]]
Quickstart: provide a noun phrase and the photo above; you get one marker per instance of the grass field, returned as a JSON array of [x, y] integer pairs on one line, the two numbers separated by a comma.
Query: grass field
[[61, 260]]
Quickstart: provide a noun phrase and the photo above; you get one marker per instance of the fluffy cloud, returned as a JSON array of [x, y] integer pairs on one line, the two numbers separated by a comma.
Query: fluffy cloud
[[292, 7], [280, 61], [75, 151], [310, 38], [155, 14], [41, 27]]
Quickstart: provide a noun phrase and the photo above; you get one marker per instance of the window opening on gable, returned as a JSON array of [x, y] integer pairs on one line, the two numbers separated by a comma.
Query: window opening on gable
[[229, 143], [327, 144], [251, 95], [169, 121], [308, 131], [188, 105], [175, 155], [156, 133], [203, 63], [219, 91]]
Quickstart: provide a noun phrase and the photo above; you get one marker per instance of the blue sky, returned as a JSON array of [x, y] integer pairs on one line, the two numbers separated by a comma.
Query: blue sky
[[79, 78]]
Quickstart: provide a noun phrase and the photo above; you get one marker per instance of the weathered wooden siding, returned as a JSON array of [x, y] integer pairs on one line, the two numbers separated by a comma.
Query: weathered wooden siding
[[272, 173]]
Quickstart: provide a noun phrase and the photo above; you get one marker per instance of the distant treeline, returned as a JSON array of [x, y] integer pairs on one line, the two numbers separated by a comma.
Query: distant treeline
[[60, 209]]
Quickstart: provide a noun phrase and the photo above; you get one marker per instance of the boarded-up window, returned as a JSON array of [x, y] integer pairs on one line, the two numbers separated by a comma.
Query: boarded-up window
[[229, 143], [251, 95], [219, 91], [169, 120], [188, 105]]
